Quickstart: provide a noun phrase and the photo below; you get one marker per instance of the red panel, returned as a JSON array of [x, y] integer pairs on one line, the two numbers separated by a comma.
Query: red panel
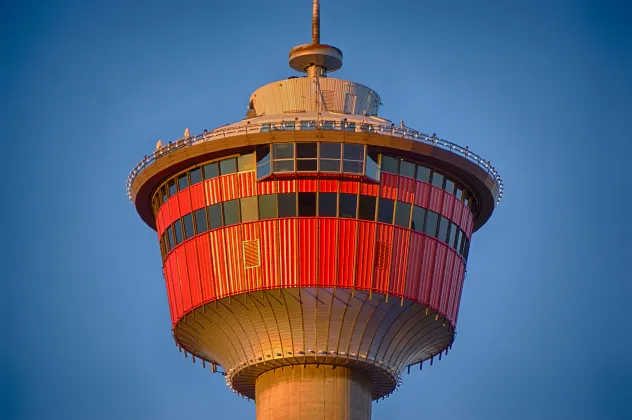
[[347, 252], [407, 188], [436, 199], [457, 295], [399, 263], [388, 186], [448, 205], [328, 245], [366, 255], [213, 188], [269, 253], [266, 187], [249, 232], [206, 268], [327, 185], [454, 287], [382, 270], [448, 275], [218, 262], [234, 259], [167, 275], [247, 184], [194, 272], [369, 188], [413, 271], [286, 186], [159, 226], [307, 251], [170, 265], [437, 275], [349, 187], [288, 252], [307, 185], [174, 209], [198, 198], [422, 194], [184, 199], [427, 265], [183, 273], [229, 187]]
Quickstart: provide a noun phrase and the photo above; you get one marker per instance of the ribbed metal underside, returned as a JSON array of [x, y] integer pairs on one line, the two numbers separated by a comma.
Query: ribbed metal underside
[[251, 333]]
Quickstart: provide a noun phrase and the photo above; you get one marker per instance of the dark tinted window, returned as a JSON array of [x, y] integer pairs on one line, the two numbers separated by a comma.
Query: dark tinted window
[[283, 166], [215, 215], [246, 162], [169, 238], [366, 208], [283, 151], [466, 248], [177, 230], [187, 221], [452, 234], [389, 164], [372, 169], [385, 210], [449, 186], [227, 166], [231, 212], [267, 206], [402, 214], [287, 205], [352, 166], [211, 170], [437, 179], [263, 155], [443, 229], [353, 152], [196, 176], [432, 220], [263, 170], [172, 188], [329, 165], [249, 209], [417, 223], [306, 150], [348, 205], [310, 165], [163, 194], [407, 169], [327, 204], [307, 204], [423, 174], [459, 241], [459, 193], [200, 220], [330, 150], [183, 181]]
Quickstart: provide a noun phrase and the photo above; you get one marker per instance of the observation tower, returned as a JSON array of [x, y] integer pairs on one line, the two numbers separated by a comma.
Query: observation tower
[[313, 252]]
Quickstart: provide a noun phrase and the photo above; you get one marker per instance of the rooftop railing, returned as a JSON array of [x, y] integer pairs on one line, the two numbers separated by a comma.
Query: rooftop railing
[[291, 125]]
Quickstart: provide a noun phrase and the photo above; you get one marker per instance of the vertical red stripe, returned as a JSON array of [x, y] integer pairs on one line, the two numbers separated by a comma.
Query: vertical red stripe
[[288, 252], [382, 271], [184, 199], [183, 274], [349, 187], [234, 259], [307, 185], [448, 274], [427, 265], [167, 276], [346, 252], [436, 199], [400, 258], [327, 185], [207, 275], [266, 187], [308, 251], [270, 254], [413, 270], [437, 275], [388, 186], [286, 186], [247, 184], [406, 189], [194, 272], [327, 257], [448, 205], [366, 255], [369, 188], [249, 232], [422, 194], [218, 262], [229, 187]]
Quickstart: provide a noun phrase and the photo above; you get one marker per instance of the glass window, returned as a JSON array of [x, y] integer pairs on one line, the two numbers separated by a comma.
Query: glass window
[[366, 208], [459, 241], [443, 229], [246, 162], [417, 223], [183, 181], [163, 194], [283, 166], [307, 204], [385, 210], [329, 165], [263, 155], [263, 170], [449, 186], [211, 170], [215, 216], [353, 152], [283, 151], [267, 206], [310, 165], [307, 150], [249, 209], [200, 220], [187, 221], [452, 234], [437, 179], [353, 166], [459, 193], [423, 174], [169, 238], [402, 214], [196, 176], [287, 205], [372, 168], [407, 169], [432, 220], [348, 205], [466, 248], [172, 187], [327, 204], [389, 164], [231, 212], [227, 166], [177, 230], [330, 150]]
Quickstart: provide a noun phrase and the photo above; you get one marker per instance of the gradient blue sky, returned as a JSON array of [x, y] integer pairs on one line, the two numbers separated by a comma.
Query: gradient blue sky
[[542, 88]]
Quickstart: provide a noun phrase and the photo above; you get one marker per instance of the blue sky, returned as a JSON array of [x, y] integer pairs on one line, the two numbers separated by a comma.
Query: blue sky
[[541, 88]]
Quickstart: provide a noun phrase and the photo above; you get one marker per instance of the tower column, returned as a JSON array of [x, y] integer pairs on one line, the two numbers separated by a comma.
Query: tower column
[[313, 392]]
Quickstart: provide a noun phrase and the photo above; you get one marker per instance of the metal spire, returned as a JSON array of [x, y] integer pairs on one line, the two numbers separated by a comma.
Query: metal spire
[[316, 22]]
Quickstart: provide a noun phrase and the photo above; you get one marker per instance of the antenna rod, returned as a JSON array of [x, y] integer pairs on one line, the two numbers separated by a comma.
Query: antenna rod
[[316, 22]]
